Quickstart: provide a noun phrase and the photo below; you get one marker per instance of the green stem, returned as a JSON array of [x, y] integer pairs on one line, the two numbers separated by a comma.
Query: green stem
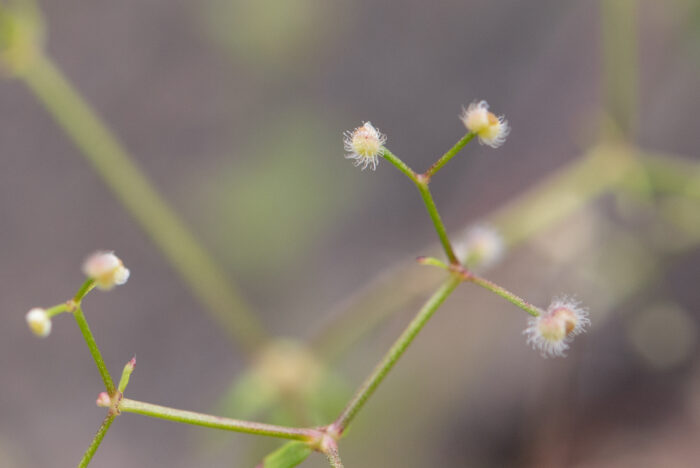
[[57, 309], [217, 422], [87, 286], [96, 441], [334, 456], [437, 222], [400, 165], [449, 155], [94, 350], [135, 191], [504, 293], [395, 352], [619, 43], [422, 184]]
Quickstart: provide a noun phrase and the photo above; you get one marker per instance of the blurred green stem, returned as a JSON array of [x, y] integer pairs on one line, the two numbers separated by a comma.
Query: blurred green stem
[[620, 62], [96, 441], [128, 183], [217, 422], [395, 352]]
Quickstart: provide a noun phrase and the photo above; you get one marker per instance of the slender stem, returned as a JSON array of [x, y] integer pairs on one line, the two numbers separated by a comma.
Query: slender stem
[[437, 222], [395, 352], [400, 165], [504, 293], [422, 184], [217, 422], [87, 286], [94, 350], [449, 155], [139, 197], [334, 456], [96, 441], [57, 309]]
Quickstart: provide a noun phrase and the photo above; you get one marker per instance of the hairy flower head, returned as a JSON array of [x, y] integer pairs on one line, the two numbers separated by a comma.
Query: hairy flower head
[[492, 130], [106, 269], [39, 322], [553, 330], [364, 145]]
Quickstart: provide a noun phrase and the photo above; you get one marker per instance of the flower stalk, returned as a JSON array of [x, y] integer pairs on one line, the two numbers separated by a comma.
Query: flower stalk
[[96, 441], [127, 405], [395, 352]]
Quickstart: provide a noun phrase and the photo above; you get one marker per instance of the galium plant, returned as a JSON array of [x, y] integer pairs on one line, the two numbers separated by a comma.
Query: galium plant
[[611, 165], [549, 330]]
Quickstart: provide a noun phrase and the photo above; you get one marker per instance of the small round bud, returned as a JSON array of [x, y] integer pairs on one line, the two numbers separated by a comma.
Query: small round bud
[[492, 130], [39, 322], [481, 247], [104, 400], [552, 331], [364, 145], [106, 269]]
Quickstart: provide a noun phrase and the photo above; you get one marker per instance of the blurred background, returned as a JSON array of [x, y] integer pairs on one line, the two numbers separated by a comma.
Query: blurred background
[[234, 110]]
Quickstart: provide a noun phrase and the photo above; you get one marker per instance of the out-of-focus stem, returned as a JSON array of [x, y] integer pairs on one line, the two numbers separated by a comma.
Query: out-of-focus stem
[[620, 62], [129, 184]]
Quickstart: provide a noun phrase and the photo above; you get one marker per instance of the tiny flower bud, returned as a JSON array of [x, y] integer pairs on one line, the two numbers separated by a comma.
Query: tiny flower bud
[[39, 322], [490, 129], [106, 269], [482, 246], [104, 400], [552, 331], [364, 145]]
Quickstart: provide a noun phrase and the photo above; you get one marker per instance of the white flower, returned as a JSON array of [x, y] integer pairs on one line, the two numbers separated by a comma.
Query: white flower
[[482, 246], [364, 145], [490, 129], [39, 322], [106, 269], [553, 330]]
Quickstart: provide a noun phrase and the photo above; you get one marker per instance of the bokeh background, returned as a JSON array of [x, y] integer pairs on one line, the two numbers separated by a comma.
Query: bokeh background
[[234, 109]]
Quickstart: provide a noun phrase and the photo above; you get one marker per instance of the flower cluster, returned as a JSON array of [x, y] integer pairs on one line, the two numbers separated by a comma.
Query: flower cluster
[[364, 146], [491, 130], [552, 331], [106, 269]]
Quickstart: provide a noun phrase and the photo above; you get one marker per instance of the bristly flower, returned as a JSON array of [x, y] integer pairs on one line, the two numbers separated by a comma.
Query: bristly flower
[[553, 330], [364, 145], [39, 322], [106, 269], [482, 246], [492, 130]]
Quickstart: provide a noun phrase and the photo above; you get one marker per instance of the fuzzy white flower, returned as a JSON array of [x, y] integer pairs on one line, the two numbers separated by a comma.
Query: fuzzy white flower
[[364, 145], [482, 246], [39, 322], [553, 330], [106, 269], [492, 130]]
